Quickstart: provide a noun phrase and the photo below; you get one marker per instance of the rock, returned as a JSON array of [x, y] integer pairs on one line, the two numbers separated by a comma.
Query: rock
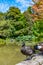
[[36, 60]]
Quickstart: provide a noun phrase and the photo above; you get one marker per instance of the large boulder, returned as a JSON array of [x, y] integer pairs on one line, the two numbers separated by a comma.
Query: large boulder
[[36, 60]]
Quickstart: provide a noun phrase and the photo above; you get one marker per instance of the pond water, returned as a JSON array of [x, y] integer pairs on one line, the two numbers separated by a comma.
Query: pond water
[[10, 55]]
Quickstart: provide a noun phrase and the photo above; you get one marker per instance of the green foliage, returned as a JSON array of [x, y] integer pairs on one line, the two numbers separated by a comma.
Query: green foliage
[[29, 10], [25, 38], [12, 14], [2, 42], [20, 26], [38, 29], [1, 16]]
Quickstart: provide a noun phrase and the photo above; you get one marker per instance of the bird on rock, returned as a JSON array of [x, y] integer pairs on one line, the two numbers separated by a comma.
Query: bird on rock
[[39, 47]]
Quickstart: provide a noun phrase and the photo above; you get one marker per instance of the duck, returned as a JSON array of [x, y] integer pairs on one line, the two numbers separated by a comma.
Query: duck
[[26, 50], [39, 47]]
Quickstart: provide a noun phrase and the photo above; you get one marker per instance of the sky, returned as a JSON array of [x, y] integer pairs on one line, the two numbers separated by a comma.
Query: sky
[[21, 4]]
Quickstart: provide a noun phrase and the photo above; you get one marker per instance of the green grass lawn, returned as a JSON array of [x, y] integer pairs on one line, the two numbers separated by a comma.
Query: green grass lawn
[[10, 55]]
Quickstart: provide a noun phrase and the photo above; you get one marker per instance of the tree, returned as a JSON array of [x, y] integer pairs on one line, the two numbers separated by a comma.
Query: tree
[[1, 16], [13, 14]]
